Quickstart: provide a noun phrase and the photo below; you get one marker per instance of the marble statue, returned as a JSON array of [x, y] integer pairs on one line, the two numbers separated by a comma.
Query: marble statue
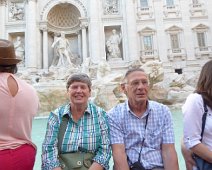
[[103, 69], [112, 45], [19, 48], [155, 71], [16, 13], [85, 66], [62, 48]]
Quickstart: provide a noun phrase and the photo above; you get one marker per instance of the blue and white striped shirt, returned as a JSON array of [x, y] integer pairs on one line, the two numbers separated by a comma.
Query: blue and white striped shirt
[[128, 129], [90, 133]]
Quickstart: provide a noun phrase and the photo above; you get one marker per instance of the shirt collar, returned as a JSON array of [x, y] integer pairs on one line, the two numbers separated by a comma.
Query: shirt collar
[[148, 110], [67, 109]]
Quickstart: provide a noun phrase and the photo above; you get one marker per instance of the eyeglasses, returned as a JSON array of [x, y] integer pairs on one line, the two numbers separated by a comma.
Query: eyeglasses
[[136, 83]]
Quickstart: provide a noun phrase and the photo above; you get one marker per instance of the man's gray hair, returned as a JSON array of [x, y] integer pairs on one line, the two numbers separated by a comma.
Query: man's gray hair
[[133, 70], [79, 77]]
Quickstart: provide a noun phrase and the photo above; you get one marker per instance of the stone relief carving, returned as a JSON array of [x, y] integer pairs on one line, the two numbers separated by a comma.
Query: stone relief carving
[[16, 11], [112, 44], [103, 69], [111, 7], [19, 49]]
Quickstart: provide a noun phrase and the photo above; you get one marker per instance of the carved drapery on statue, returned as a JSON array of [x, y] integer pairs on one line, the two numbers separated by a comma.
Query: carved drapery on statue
[[113, 43], [19, 49]]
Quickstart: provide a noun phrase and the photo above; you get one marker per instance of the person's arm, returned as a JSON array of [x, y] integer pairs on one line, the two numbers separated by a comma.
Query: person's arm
[[187, 155], [120, 157], [96, 166], [103, 154], [58, 168], [169, 156], [49, 148], [193, 110], [202, 151]]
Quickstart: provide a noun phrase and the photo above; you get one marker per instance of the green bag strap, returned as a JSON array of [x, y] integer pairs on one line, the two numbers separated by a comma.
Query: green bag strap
[[62, 130]]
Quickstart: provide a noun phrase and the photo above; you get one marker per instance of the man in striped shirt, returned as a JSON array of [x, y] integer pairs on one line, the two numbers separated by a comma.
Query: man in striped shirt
[[86, 131]]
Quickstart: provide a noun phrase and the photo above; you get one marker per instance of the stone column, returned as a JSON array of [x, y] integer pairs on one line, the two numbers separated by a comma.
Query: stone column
[[30, 35], [131, 31], [79, 43], [84, 40], [45, 48], [94, 31], [2, 18]]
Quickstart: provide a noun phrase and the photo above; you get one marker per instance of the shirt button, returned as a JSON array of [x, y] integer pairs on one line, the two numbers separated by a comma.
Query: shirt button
[[62, 166], [79, 163]]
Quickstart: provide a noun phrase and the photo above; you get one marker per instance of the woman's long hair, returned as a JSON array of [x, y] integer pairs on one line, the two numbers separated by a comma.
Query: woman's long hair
[[204, 84]]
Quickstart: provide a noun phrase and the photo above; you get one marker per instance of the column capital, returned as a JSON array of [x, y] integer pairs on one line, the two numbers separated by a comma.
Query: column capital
[[84, 25], [44, 28]]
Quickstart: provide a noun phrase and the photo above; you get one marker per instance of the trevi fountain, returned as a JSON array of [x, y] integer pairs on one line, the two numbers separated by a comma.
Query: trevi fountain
[[171, 40]]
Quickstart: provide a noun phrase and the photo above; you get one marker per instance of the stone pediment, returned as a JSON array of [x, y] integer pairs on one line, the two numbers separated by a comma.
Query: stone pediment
[[200, 27], [146, 30], [174, 28]]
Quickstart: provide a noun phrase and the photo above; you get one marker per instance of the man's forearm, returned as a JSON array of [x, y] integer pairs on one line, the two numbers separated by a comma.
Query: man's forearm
[[121, 164]]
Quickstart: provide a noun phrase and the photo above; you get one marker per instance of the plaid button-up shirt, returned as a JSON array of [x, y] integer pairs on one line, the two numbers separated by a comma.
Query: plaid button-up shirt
[[128, 129]]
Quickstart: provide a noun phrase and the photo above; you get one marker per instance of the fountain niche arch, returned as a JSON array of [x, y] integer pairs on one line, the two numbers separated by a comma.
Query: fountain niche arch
[[63, 17], [68, 18]]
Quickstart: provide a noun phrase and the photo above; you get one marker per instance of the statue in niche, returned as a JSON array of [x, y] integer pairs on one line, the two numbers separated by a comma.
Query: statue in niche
[[16, 13], [19, 48], [62, 49], [111, 7], [112, 45]]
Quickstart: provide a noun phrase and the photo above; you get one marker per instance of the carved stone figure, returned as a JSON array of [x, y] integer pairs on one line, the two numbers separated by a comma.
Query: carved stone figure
[[85, 66], [113, 45], [62, 49], [19, 48], [16, 13], [103, 69], [155, 71]]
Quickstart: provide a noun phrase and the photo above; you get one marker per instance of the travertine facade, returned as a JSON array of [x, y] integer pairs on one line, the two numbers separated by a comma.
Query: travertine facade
[[123, 33], [176, 32]]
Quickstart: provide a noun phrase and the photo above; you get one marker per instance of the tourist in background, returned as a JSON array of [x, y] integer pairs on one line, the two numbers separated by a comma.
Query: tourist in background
[[141, 130], [85, 132], [193, 111], [19, 104]]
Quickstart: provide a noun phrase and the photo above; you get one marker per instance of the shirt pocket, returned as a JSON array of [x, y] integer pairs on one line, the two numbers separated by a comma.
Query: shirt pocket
[[154, 138], [92, 137]]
